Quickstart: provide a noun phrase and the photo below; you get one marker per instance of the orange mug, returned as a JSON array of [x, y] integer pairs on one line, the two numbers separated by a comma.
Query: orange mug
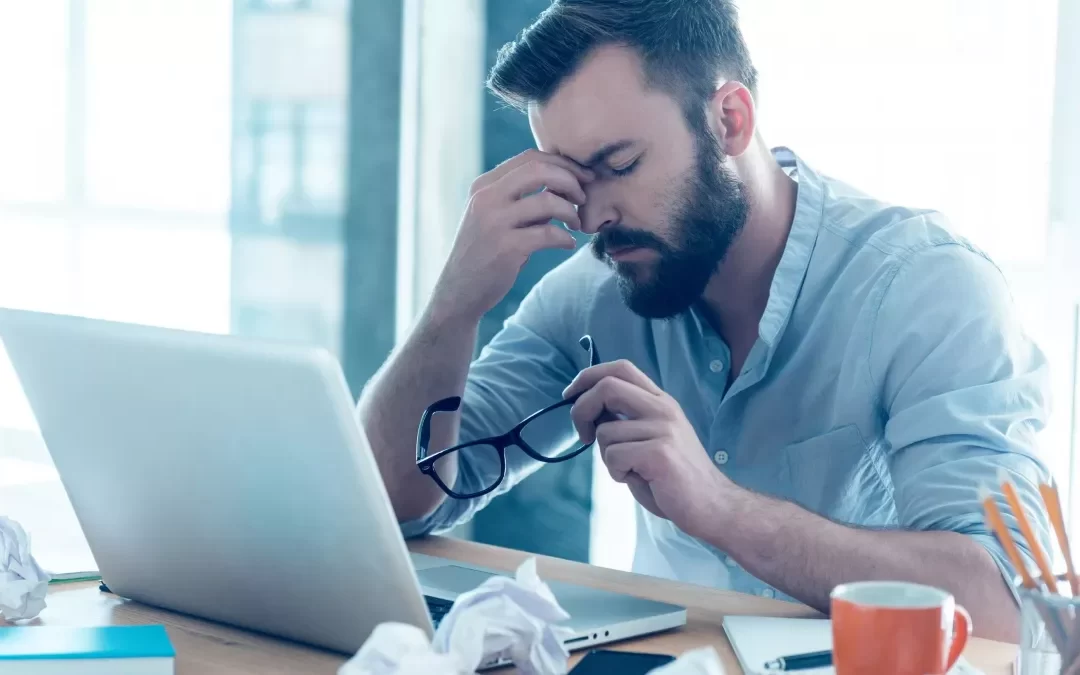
[[896, 628]]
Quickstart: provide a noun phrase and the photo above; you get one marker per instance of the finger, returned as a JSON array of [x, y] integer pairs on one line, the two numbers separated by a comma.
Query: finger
[[514, 162], [534, 176], [539, 237], [584, 174], [624, 431], [634, 458], [615, 396], [543, 207], [504, 167], [622, 369]]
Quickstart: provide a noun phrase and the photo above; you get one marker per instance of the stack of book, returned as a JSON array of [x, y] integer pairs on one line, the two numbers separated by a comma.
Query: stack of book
[[112, 650]]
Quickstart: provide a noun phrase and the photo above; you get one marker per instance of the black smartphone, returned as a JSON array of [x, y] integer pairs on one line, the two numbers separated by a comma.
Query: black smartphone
[[606, 662]]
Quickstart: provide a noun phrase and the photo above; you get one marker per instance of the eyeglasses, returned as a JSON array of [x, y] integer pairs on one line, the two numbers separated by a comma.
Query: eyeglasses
[[547, 436]]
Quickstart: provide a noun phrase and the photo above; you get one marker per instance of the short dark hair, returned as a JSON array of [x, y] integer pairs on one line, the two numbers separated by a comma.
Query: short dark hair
[[685, 45]]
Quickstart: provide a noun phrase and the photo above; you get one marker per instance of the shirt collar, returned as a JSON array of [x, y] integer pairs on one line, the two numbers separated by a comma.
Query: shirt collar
[[795, 260], [790, 273]]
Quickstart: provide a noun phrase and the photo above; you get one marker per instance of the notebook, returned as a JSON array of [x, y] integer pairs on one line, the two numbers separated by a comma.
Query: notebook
[[760, 639]]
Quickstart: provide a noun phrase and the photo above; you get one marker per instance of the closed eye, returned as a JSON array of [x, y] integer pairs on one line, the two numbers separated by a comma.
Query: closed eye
[[628, 169]]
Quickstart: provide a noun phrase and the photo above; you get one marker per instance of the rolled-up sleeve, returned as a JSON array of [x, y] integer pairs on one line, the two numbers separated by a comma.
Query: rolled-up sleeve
[[965, 392], [524, 368]]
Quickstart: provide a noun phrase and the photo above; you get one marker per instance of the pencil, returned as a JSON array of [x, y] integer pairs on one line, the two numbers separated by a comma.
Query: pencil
[[1052, 499], [997, 524], [1068, 645], [1050, 617], [1009, 490]]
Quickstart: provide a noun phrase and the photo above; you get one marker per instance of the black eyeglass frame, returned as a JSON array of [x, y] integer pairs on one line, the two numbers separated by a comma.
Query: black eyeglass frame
[[426, 463]]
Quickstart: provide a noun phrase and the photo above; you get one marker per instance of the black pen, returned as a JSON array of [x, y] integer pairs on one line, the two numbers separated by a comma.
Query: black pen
[[801, 661]]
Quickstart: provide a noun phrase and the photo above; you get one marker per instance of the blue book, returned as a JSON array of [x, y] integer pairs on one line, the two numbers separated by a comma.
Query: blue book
[[111, 650]]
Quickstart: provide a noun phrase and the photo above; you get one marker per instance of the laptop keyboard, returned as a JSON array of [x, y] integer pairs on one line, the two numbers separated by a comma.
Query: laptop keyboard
[[438, 608]]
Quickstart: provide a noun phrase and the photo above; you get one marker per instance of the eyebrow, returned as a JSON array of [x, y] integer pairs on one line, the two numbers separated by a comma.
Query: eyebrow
[[605, 152]]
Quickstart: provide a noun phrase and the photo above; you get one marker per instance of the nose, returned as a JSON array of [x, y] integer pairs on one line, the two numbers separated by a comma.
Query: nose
[[598, 211]]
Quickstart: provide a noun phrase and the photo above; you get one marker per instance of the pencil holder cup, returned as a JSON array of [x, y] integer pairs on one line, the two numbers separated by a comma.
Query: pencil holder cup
[[1049, 632]]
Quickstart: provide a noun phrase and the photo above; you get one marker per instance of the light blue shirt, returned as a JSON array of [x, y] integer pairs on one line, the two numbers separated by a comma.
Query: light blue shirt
[[890, 378]]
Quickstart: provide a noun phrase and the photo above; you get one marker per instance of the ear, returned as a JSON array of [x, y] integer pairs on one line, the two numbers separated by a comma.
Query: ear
[[732, 117]]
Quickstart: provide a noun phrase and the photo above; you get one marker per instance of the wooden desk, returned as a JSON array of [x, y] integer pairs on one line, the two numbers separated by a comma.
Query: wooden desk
[[205, 648]]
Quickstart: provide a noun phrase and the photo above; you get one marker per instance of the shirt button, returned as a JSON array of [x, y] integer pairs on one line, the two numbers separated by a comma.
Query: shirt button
[[768, 593], [720, 457], [729, 561], [716, 366]]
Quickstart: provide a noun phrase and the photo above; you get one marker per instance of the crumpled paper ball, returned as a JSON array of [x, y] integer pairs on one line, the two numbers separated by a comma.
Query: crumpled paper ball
[[403, 650], [23, 583], [503, 618]]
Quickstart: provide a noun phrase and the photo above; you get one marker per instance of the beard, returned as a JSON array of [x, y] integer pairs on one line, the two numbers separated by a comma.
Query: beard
[[707, 212]]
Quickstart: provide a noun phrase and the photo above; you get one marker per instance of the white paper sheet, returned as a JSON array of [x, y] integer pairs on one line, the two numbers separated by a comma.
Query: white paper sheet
[[23, 583]]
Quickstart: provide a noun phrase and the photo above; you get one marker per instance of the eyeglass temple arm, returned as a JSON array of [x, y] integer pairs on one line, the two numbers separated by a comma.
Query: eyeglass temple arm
[[589, 345], [423, 437]]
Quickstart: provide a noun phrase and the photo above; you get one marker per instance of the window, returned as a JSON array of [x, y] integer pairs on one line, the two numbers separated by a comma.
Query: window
[[917, 104], [166, 162], [114, 195]]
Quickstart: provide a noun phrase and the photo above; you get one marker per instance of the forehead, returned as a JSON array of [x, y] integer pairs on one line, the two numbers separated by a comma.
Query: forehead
[[606, 100]]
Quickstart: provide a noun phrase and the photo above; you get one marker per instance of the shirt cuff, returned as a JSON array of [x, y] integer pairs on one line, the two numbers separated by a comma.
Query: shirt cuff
[[417, 528], [451, 513]]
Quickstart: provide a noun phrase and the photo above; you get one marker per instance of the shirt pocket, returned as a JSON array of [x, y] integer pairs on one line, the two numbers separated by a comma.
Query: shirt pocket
[[834, 474]]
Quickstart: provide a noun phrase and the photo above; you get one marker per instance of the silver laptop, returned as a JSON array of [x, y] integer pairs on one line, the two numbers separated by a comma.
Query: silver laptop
[[230, 479]]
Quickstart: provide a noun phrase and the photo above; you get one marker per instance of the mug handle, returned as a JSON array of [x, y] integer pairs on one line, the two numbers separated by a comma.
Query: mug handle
[[961, 633]]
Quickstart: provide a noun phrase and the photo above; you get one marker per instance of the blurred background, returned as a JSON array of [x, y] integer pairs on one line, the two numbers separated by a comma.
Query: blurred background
[[296, 169]]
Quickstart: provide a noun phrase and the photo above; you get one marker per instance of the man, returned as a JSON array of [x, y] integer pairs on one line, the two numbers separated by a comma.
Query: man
[[800, 385]]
